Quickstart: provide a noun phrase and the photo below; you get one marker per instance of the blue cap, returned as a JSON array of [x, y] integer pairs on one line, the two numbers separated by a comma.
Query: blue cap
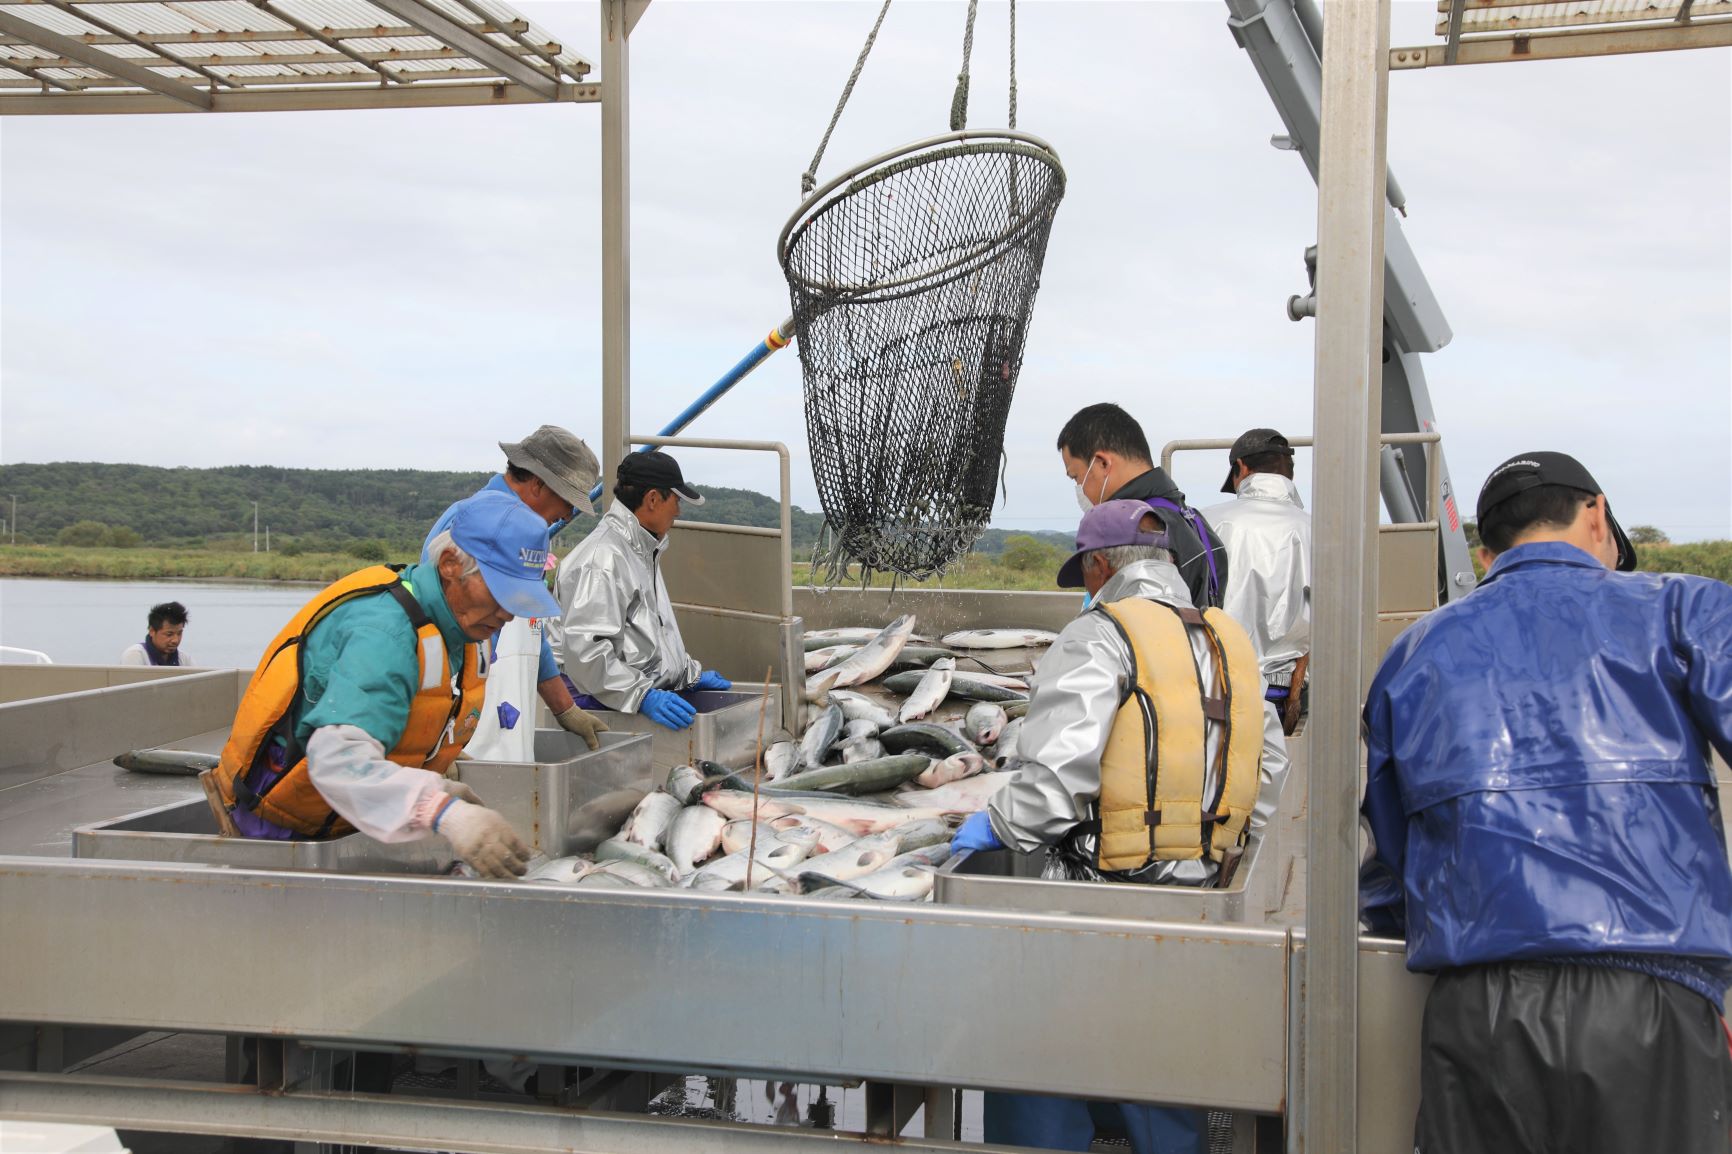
[[509, 541]]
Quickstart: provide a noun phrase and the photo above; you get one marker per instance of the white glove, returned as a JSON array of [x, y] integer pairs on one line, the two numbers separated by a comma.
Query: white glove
[[460, 791], [484, 840]]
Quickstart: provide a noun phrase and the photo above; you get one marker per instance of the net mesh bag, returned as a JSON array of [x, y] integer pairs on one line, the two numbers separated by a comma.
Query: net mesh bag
[[912, 280]]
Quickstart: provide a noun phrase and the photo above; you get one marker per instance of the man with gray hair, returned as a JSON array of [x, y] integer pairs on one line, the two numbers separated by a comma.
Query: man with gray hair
[[366, 698], [1148, 755]]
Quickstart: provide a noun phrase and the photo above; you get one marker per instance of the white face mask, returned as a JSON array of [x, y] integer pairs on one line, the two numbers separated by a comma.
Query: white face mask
[[1082, 493]]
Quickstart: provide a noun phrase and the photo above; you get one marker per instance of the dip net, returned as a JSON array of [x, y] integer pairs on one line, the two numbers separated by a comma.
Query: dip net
[[912, 280]]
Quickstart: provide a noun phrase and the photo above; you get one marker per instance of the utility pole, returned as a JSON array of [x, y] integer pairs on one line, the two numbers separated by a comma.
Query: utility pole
[[255, 526], [14, 521], [267, 538]]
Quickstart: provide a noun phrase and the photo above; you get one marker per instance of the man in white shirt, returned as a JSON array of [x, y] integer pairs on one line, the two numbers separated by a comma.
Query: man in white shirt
[[1267, 533], [161, 644]]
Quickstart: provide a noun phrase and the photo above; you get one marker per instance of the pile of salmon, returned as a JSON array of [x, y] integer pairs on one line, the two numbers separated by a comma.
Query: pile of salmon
[[862, 804]]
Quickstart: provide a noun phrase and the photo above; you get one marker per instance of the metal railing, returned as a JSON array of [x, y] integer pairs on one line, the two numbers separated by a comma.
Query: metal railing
[[791, 678], [1434, 478]]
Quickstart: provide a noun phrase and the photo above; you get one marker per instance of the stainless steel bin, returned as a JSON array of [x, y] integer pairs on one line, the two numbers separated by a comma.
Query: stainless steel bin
[[725, 731], [561, 801], [551, 803]]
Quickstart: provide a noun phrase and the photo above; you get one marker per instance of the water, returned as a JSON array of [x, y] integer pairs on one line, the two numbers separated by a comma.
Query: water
[[90, 622]]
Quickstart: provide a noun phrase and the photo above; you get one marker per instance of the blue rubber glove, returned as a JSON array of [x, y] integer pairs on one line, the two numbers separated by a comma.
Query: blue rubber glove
[[710, 679], [975, 834], [666, 708]]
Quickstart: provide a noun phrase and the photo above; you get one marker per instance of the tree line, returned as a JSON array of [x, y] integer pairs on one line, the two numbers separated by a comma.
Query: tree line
[[364, 512]]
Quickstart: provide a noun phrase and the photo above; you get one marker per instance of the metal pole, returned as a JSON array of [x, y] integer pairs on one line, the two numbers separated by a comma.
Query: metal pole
[[15, 518], [255, 526], [778, 339], [1350, 218], [616, 23]]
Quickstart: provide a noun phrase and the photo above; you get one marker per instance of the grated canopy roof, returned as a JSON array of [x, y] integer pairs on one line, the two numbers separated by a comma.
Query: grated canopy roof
[[1514, 15], [260, 55]]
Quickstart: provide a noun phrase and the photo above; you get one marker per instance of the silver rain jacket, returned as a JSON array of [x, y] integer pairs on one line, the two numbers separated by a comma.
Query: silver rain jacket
[[1078, 688], [618, 636], [1268, 537]]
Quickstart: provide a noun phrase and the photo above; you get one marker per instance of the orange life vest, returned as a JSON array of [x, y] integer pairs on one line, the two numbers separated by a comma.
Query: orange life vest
[[442, 716]]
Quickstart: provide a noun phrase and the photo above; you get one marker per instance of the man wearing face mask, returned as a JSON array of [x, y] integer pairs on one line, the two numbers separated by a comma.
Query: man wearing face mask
[[1105, 453]]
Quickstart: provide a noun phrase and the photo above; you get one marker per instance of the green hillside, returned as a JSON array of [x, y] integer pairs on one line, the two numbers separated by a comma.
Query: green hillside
[[307, 510]]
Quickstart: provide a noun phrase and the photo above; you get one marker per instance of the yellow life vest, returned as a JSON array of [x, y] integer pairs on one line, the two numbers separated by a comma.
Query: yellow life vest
[[1152, 806], [442, 716]]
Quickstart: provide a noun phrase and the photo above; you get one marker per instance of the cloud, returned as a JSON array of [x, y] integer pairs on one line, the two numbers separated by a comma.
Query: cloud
[[284, 289]]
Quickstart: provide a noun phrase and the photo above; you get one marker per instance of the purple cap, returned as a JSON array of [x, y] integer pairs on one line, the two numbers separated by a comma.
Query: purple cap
[[1106, 526]]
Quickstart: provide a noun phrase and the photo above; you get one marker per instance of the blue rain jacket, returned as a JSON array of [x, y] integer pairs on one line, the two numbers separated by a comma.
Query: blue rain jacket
[[1538, 773]]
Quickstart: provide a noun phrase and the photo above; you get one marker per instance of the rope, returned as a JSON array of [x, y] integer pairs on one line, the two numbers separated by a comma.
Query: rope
[[1013, 63], [959, 101], [809, 179]]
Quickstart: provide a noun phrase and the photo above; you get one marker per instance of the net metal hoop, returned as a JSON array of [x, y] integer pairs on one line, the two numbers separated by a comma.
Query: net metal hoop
[[912, 278], [880, 168]]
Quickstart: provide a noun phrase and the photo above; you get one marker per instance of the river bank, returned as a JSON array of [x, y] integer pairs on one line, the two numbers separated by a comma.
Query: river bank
[[1026, 564], [147, 564]]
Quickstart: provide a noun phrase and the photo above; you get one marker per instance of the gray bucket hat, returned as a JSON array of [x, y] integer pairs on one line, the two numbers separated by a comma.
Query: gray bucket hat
[[559, 458]]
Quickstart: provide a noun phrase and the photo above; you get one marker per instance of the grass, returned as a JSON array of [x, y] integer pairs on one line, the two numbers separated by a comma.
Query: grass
[[1021, 571], [1708, 558], [155, 564]]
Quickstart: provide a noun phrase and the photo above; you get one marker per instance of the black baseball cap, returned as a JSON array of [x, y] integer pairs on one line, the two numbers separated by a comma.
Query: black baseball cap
[[1530, 470], [1250, 443], [654, 469]]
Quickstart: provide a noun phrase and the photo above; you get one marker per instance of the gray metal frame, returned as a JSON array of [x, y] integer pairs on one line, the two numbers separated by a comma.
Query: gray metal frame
[[63, 73]]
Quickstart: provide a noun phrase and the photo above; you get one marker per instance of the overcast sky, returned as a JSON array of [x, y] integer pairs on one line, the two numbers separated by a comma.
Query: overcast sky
[[403, 289]]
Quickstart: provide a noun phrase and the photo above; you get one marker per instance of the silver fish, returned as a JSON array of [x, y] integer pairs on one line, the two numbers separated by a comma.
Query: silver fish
[[737, 835], [859, 707], [897, 884], [924, 737], [935, 854], [730, 872], [1005, 748], [830, 837], [876, 655], [862, 817], [821, 659], [561, 871], [598, 820], [683, 783], [861, 776], [953, 768], [843, 865], [920, 834], [930, 693], [1001, 680], [985, 721], [651, 820], [819, 685], [855, 633], [619, 849], [820, 735], [695, 836], [781, 759], [969, 795], [863, 749], [736, 803], [631, 872], [856, 728], [999, 638]]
